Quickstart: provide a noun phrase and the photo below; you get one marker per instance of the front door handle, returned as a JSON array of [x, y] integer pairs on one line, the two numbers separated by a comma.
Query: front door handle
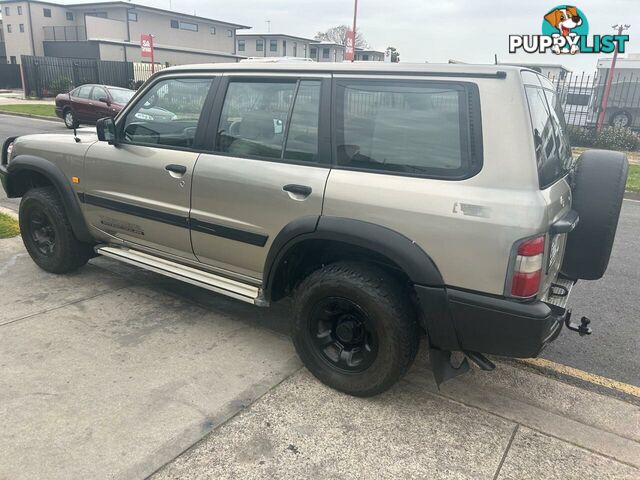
[[302, 190], [180, 169]]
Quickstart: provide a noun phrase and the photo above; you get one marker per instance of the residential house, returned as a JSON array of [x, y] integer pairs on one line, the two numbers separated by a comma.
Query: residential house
[[326, 51], [364, 55], [253, 44]]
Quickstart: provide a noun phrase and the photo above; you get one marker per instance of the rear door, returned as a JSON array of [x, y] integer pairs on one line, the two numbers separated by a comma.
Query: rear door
[[554, 159], [268, 166]]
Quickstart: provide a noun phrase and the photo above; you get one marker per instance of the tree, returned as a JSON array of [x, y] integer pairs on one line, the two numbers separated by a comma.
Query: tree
[[395, 54], [339, 35]]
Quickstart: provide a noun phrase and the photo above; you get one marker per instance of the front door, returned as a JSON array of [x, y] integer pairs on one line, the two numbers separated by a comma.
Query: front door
[[138, 191], [99, 109], [269, 167]]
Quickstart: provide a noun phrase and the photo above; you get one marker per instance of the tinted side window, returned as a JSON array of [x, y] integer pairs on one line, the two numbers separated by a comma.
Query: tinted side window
[[168, 113], [553, 155], [256, 119], [405, 127]]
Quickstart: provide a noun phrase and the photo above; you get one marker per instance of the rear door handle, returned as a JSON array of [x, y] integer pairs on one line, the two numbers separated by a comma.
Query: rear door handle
[[302, 190], [180, 169]]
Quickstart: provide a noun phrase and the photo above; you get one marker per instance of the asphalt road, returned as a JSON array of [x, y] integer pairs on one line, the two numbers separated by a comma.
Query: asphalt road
[[611, 303]]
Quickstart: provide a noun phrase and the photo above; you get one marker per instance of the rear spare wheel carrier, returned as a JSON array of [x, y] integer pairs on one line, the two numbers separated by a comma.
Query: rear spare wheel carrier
[[598, 190]]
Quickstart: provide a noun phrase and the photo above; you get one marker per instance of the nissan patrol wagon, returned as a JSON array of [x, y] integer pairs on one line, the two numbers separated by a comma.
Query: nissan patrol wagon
[[391, 202]]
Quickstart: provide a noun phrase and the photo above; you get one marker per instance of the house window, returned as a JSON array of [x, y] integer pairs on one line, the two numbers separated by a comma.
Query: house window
[[241, 45], [295, 49], [212, 30], [365, 57], [70, 16], [7, 11], [314, 52], [325, 53], [8, 28], [132, 16], [19, 10], [97, 14], [259, 45], [273, 45], [13, 59], [284, 48], [229, 33], [21, 27], [46, 12], [192, 27]]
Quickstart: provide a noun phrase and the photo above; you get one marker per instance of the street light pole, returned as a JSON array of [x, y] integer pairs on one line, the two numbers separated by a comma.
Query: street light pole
[[607, 86], [355, 16]]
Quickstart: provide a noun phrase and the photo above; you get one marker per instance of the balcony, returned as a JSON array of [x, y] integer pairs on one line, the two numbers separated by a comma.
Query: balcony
[[65, 33]]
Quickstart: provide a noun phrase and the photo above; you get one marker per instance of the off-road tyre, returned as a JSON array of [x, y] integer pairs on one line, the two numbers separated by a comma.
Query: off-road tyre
[[47, 234], [389, 313], [598, 190]]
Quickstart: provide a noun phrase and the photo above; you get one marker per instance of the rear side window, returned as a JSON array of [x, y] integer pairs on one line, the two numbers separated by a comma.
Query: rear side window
[[406, 127], [271, 120], [553, 152]]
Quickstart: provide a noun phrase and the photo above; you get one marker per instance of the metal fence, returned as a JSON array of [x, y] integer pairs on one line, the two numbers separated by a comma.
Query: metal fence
[[10, 76], [48, 76], [581, 95]]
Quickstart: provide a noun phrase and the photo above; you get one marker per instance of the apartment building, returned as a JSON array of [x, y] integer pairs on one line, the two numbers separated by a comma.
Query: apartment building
[[253, 44], [111, 31]]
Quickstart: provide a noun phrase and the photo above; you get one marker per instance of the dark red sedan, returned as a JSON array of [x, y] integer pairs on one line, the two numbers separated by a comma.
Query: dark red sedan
[[88, 103]]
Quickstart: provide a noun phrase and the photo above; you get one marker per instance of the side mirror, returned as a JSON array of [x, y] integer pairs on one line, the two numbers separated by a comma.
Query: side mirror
[[106, 129], [104, 100]]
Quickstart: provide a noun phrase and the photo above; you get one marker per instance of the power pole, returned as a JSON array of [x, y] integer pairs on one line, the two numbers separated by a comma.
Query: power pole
[[607, 87], [268, 26], [355, 16]]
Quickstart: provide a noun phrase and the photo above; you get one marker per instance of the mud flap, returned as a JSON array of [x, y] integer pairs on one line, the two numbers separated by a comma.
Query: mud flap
[[442, 368]]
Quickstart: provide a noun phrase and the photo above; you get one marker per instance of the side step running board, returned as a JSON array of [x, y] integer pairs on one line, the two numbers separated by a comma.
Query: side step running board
[[231, 288]]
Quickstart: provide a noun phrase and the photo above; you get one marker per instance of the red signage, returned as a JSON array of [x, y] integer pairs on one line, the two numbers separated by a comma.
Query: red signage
[[146, 45], [349, 54]]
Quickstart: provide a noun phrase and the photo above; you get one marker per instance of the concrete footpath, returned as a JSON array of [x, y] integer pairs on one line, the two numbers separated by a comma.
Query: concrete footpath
[[113, 372]]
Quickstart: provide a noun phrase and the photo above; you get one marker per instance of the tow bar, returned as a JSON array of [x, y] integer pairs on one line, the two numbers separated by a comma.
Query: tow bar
[[583, 328]]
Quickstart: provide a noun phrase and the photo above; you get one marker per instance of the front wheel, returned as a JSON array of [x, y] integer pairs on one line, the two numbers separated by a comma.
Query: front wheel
[[70, 120], [355, 328], [47, 234]]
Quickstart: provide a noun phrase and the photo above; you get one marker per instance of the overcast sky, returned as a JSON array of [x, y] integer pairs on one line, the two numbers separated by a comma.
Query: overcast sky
[[424, 30]]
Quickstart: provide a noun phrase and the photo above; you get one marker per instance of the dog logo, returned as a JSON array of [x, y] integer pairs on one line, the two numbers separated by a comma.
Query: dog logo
[[565, 29], [564, 20]]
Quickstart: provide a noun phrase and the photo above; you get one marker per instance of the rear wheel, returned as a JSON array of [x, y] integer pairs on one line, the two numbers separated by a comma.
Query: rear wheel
[[621, 119], [47, 234], [70, 120], [355, 328]]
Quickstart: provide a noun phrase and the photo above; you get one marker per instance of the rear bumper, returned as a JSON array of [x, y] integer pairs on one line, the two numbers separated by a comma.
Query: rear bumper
[[487, 324]]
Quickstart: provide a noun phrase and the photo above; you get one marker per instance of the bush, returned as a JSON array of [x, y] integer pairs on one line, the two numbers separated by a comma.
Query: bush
[[610, 138], [60, 85], [580, 136], [613, 138]]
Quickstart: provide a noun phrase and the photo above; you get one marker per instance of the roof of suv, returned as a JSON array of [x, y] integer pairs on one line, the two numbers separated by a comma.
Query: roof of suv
[[419, 68]]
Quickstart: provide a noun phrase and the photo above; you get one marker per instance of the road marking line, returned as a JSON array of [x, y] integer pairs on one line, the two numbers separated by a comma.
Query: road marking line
[[582, 375]]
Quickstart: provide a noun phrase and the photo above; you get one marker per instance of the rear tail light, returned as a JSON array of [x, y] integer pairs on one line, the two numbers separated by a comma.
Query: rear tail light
[[527, 268]]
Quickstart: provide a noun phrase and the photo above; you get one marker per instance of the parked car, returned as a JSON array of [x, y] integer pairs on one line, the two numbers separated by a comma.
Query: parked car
[[88, 103], [386, 200]]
